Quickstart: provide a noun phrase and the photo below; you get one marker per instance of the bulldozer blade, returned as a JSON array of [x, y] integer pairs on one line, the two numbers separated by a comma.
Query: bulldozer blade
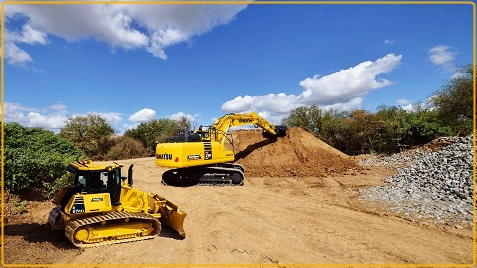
[[171, 215], [175, 220]]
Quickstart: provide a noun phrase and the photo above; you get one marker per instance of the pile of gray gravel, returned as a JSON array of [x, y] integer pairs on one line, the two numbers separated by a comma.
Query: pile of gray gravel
[[436, 186]]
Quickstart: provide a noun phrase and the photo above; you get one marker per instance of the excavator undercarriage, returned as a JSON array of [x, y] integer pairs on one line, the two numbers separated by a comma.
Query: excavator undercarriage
[[226, 174]]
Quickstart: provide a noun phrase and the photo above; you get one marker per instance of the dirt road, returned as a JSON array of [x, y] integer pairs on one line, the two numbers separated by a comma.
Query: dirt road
[[297, 218]]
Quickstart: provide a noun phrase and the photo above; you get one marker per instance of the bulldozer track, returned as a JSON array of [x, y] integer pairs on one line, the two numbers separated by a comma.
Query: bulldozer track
[[75, 224]]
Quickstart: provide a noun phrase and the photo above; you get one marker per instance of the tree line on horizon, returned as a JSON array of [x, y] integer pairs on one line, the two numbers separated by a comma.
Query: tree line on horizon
[[450, 112], [37, 158]]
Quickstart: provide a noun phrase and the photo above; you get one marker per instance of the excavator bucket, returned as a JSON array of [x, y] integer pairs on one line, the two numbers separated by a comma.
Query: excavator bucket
[[171, 215], [280, 131]]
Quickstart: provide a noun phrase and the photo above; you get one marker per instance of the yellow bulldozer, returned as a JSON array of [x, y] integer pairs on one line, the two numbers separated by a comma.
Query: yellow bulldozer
[[102, 207], [201, 157]]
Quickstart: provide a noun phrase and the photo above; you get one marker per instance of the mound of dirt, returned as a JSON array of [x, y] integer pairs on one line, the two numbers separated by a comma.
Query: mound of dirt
[[299, 153]]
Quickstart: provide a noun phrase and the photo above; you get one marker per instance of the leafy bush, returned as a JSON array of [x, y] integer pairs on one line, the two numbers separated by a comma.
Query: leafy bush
[[34, 157], [127, 148], [50, 189]]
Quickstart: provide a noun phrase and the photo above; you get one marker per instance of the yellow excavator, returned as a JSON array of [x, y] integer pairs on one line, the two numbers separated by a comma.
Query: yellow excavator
[[201, 158], [102, 208]]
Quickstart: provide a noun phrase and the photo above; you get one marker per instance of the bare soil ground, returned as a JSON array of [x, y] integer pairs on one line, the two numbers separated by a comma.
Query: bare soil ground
[[299, 205]]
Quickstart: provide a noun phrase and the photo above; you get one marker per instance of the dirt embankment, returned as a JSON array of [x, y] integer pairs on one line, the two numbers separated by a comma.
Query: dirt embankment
[[298, 205], [298, 154]]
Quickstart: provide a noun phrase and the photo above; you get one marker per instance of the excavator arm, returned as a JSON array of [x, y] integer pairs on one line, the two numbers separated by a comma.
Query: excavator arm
[[222, 125]]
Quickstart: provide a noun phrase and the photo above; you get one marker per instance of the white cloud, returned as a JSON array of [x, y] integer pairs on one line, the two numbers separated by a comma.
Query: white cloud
[[441, 55], [409, 107], [112, 118], [143, 115], [15, 111], [270, 104], [389, 42], [458, 74], [58, 107], [347, 84], [353, 104], [53, 117], [30, 117], [28, 35], [340, 90], [179, 115], [15, 55], [403, 101], [151, 27], [50, 121]]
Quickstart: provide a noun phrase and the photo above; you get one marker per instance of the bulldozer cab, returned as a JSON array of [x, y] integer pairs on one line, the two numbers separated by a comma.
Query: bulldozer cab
[[91, 179]]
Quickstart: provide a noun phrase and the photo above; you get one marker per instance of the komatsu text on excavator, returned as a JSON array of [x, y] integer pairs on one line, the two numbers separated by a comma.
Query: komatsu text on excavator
[[104, 208], [201, 158]]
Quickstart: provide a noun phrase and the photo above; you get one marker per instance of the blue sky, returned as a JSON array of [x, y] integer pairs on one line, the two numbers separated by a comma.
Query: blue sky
[[132, 63]]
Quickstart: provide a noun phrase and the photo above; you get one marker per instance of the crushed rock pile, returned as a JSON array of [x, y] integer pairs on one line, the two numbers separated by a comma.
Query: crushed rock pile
[[437, 186], [299, 153]]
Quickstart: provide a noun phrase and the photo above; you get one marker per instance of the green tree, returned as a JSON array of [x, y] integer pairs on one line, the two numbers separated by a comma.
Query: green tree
[[361, 131], [364, 131], [184, 124], [36, 158], [154, 131], [308, 118], [421, 126], [454, 101], [399, 127], [389, 136], [334, 128], [91, 133]]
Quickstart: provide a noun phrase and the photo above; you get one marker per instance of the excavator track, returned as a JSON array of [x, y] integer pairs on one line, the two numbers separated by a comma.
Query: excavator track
[[214, 175], [92, 228]]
